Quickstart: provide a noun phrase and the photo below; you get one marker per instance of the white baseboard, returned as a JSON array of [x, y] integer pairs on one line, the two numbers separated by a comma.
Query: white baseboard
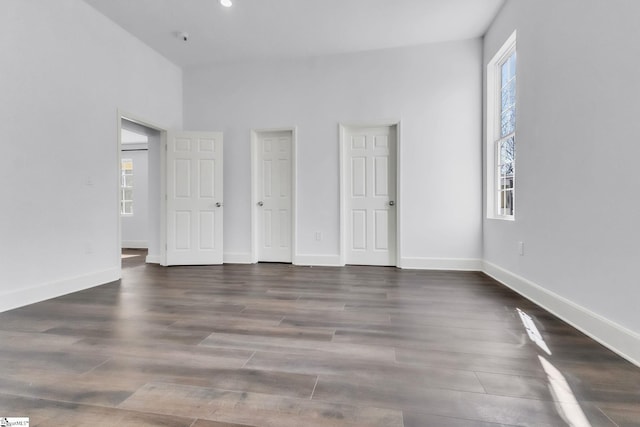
[[237, 258], [617, 338], [153, 259], [135, 244], [464, 264], [318, 260], [44, 291], [409, 263]]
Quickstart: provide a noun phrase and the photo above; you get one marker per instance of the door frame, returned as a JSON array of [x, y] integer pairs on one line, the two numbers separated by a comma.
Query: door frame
[[255, 212], [343, 128], [163, 187]]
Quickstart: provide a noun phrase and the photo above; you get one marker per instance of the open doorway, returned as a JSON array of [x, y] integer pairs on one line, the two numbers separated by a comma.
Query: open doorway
[[139, 200]]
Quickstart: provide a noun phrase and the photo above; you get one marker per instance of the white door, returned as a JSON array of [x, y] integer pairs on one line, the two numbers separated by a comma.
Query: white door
[[369, 156], [194, 198], [274, 196]]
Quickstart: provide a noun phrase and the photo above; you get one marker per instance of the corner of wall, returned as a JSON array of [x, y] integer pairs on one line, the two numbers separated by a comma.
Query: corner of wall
[[615, 337], [44, 291]]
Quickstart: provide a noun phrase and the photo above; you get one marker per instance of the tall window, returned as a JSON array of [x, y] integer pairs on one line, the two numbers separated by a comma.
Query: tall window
[[126, 187], [501, 132]]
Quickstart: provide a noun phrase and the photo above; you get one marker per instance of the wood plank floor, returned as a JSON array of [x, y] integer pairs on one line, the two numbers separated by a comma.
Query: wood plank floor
[[277, 345]]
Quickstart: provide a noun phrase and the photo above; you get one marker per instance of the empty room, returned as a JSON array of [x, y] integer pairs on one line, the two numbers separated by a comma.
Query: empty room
[[393, 213]]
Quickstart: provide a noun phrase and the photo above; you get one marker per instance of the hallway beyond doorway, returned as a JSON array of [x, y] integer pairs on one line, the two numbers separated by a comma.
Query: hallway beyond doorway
[[133, 257]]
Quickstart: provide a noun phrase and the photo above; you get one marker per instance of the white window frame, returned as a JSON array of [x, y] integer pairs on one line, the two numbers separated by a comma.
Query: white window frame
[[493, 130], [126, 183]]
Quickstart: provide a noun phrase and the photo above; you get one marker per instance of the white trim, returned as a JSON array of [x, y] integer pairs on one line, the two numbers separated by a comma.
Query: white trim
[[343, 192], [119, 116], [342, 129], [138, 120], [319, 260], [255, 133], [492, 126], [254, 196], [135, 244], [134, 146], [163, 198], [399, 198], [459, 264], [45, 291], [617, 338], [237, 258]]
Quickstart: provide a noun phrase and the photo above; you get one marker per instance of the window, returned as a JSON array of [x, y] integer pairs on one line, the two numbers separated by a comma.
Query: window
[[126, 187], [501, 132]]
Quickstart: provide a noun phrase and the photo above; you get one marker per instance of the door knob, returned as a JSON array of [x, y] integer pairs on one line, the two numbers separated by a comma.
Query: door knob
[[260, 203], [392, 203], [218, 204]]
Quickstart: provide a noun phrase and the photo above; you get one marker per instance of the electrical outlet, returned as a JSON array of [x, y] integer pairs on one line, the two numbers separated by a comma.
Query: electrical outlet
[[521, 248], [318, 236]]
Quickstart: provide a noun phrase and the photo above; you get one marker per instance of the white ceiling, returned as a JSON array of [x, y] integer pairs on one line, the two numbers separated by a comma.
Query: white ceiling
[[258, 29]]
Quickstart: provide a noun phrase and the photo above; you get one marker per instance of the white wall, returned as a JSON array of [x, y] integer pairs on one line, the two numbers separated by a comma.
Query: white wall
[[64, 71], [578, 145], [435, 90]]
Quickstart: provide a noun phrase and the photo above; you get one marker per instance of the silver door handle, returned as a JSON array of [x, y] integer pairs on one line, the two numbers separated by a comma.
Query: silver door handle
[[392, 203], [260, 203], [218, 204]]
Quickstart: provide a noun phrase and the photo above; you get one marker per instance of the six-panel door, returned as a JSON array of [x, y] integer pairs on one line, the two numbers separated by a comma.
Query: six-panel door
[[370, 169], [194, 198], [275, 204]]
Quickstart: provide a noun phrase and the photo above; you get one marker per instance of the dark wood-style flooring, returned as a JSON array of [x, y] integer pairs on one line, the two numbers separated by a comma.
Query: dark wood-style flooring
[[278, 345]]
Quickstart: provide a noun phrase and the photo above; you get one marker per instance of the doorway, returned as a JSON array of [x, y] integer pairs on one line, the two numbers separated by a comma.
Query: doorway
[[140, 189], [185, 194], [369, 200], [273, 195]]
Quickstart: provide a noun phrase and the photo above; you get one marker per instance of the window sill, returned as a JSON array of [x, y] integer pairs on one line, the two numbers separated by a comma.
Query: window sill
[[503, 218]]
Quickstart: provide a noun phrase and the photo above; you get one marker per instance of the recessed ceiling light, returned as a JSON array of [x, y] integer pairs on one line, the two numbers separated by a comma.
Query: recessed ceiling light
[[226, 3]]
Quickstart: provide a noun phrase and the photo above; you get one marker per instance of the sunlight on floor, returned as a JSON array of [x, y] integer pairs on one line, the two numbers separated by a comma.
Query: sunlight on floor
[[533, 332], [566, 402]]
